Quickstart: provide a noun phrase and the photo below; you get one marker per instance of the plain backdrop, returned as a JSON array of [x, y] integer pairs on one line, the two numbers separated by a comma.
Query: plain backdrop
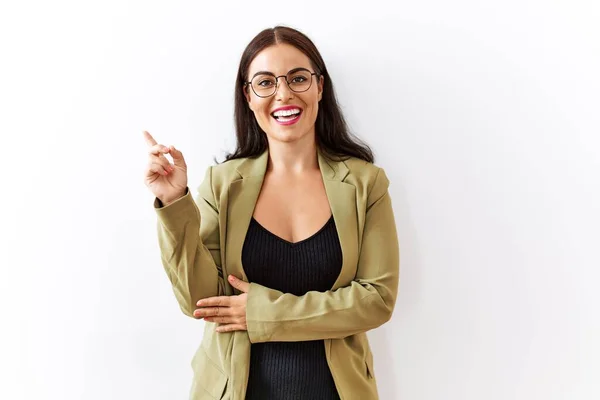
[[484, 114]]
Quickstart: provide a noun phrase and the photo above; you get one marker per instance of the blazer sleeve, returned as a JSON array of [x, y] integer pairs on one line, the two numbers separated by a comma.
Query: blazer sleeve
[[189, 241], [365, 304]]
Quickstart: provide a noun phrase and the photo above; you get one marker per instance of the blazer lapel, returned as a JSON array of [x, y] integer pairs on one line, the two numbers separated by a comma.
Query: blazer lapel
[[243, 194], [242, 198], [342, 200]]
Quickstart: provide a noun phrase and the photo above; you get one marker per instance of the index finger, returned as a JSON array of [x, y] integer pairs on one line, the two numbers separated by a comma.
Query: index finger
[[220, 301], [149, 139]]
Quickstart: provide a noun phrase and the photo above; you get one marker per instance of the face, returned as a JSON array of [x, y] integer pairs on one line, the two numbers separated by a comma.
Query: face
[[286, 116]]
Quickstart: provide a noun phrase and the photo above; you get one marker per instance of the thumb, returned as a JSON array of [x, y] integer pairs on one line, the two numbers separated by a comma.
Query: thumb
[[239, 284], [177, 157]]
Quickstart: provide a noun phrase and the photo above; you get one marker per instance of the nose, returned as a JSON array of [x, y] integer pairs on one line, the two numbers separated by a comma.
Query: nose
[[283, 91]]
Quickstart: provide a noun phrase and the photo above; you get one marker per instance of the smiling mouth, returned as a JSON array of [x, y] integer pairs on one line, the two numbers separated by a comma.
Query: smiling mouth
[[287, 116]]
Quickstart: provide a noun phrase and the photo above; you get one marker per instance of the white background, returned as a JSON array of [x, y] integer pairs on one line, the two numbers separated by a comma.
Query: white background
[[484, 114]]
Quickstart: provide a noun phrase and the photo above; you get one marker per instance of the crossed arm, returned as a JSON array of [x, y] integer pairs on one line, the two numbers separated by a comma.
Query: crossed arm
[[270, 315]]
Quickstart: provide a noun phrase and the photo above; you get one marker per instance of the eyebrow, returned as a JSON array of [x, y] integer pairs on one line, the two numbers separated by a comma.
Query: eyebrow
[[291, 71]]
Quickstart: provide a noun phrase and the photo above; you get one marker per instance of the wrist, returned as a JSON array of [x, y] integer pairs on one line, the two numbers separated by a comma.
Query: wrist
[[168, 200]]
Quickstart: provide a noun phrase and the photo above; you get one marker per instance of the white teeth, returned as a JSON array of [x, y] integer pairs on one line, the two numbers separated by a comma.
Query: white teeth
[[286, 113]]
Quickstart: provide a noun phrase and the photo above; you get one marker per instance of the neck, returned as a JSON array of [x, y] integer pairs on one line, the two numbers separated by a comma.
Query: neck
[[296, 157]]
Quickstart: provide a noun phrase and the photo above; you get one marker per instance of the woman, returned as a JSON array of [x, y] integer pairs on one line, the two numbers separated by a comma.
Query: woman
[[289, 251]]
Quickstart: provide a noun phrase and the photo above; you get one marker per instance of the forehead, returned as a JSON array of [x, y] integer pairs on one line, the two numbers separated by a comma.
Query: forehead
[[279, 59]]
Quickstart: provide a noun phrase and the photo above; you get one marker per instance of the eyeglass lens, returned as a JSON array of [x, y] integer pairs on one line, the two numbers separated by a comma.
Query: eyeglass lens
[[265, 85]]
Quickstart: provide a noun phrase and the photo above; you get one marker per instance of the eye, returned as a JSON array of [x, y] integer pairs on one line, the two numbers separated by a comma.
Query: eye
[[265, 83], [298, 79]]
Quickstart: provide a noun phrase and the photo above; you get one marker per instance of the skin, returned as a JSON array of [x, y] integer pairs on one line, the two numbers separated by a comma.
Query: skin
[[293, 203]]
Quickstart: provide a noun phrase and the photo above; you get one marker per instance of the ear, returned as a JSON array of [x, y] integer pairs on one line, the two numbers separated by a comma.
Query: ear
[[246, 89], [320, 86]]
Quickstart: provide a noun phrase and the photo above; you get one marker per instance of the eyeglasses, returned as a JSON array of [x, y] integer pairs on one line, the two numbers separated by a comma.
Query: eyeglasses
[[265, 84]]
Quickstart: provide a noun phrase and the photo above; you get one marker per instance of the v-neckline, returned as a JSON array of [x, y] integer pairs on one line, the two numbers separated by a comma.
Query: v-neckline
[[293, 244], [238, 201]]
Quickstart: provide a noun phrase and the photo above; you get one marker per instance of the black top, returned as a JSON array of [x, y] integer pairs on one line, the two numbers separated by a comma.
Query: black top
[[291, 370]]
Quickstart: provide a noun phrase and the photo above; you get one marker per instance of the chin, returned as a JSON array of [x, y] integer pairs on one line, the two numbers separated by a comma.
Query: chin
[[279, 137], [287, 135]]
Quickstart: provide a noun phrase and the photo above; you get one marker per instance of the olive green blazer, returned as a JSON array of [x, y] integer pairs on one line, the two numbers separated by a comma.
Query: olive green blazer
[[201, 241]]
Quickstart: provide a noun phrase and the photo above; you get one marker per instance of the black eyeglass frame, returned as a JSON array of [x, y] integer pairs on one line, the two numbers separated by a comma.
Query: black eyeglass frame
[[249, 83]]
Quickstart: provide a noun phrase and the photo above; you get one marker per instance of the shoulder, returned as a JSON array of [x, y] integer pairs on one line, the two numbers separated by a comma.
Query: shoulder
[[226, 172], [370, 180], [217, 179]]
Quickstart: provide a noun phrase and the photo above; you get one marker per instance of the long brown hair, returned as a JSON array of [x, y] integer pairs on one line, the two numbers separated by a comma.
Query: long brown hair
[[331, 130]]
